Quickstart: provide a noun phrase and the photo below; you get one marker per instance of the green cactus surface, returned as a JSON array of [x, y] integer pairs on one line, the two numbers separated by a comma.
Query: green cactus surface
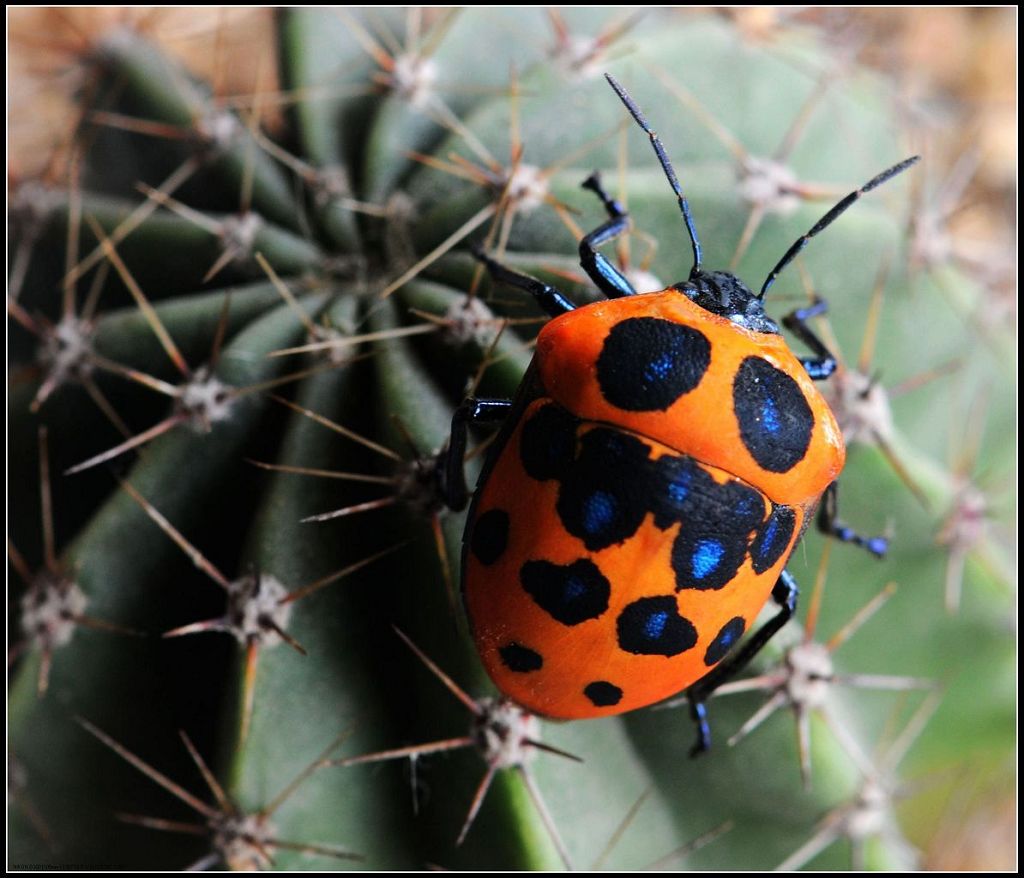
[[239, 327]]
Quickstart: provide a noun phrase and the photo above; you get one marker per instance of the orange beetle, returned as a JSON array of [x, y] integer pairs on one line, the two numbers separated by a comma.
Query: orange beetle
[[657, 467]]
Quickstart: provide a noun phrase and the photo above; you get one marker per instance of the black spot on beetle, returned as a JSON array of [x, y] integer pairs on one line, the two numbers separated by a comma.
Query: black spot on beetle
[[520, 659], [718, 522], [704, 561], [653, 626], [602, 693], [647, 363], [724, 641], [774, 416], [490, 536], [682, 490], [571, 594], [679, 482], [547, 444], [773, 538], [605, 494]]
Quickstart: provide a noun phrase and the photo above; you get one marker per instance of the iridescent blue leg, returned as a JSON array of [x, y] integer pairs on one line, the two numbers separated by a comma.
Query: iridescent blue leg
[[451, 467], [824, 364], [547, 297], [830, 525], [785, 595], [608, 278]]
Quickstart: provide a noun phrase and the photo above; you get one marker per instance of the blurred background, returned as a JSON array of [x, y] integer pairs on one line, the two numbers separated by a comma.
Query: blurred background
[[955, 69]]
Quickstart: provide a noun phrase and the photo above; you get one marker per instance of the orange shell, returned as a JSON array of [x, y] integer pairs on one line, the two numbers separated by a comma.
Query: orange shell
[[700, 423], [501, 611]]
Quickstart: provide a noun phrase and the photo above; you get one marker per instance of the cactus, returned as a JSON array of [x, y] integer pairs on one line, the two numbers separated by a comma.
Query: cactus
[[301, 286]]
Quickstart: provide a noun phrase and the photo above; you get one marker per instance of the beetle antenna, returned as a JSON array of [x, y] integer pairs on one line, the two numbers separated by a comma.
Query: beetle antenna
[[834, 214], [666, 166]]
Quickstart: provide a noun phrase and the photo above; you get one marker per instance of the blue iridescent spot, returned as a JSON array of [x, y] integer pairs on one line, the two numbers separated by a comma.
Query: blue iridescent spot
[[769, 536], [574, 587], [774, 536], [654, 625], [746, 505], [679, 487], [570, 593], [775, 418], [730, 633], [598, 511], [706, 556], [659, 369], [770, 416]]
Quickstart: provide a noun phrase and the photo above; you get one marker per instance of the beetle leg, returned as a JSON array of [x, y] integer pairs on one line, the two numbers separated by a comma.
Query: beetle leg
[[824, 364], [550, 299], [830, 525], [451, 464], [784, 594], [608, 278]]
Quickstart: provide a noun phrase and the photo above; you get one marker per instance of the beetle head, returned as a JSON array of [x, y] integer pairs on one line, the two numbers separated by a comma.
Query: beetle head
[[726, 295]]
